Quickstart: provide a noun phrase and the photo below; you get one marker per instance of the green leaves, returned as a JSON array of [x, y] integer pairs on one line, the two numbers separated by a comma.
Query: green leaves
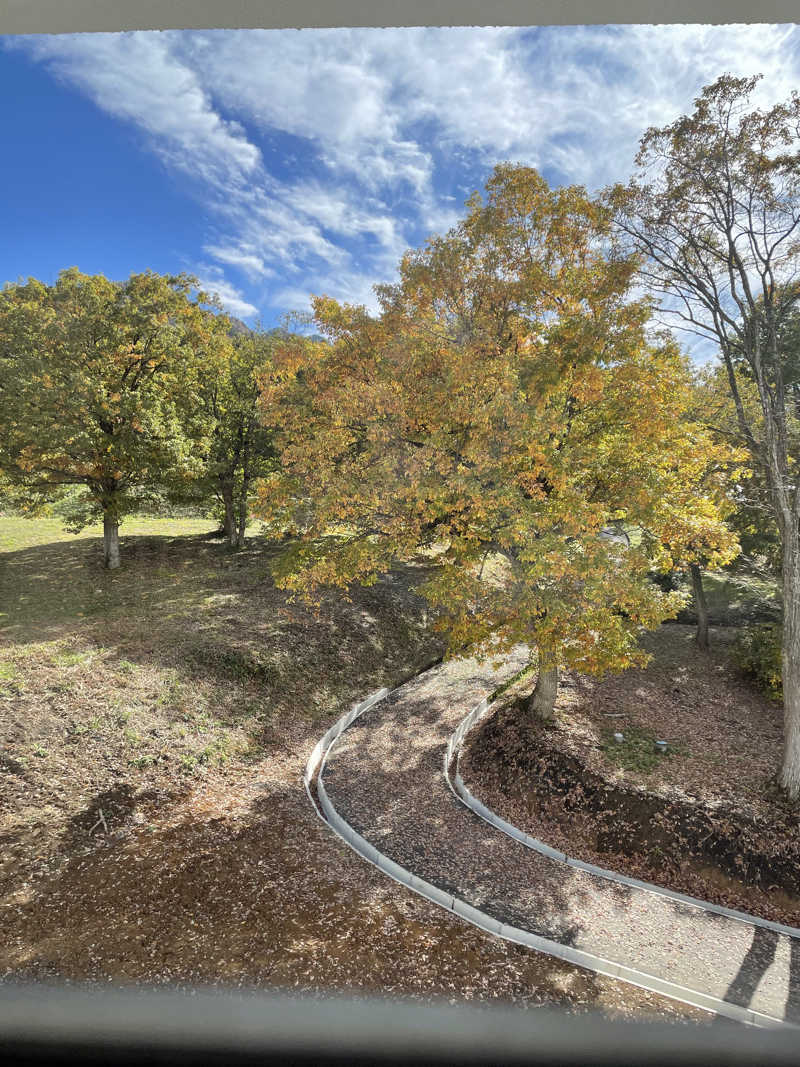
[[99, 380]]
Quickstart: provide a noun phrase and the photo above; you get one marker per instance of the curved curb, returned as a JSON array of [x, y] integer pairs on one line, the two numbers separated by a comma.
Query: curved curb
[[597, 964], [462, 792]]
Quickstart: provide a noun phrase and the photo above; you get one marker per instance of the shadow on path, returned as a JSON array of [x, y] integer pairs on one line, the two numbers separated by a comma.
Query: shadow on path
[[758, 958]]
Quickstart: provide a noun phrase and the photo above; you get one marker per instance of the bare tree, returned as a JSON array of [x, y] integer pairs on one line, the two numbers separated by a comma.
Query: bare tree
[[714, 212]]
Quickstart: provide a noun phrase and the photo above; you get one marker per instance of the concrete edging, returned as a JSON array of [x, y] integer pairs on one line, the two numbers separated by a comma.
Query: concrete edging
[[462, 792], [597, 964]]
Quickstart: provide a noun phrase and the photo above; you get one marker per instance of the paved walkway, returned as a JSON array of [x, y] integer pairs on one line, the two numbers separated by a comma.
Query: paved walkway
[[385, 777]]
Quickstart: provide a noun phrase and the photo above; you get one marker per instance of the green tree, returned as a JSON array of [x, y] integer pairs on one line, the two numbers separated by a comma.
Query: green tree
[[241, 447], [501, 411], [714, 214], [99, 383]]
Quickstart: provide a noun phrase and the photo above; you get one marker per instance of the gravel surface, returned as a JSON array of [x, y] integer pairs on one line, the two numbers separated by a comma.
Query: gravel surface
[[385, 777]]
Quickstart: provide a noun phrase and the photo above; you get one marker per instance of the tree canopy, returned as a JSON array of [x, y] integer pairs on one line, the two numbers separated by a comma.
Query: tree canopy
[[99, 384], [240, 450], [502, 409]]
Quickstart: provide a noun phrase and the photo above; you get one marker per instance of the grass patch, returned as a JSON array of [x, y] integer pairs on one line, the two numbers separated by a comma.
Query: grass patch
[[736, 597], [17, 532], [8, 679], [637, 751], [73, 659]]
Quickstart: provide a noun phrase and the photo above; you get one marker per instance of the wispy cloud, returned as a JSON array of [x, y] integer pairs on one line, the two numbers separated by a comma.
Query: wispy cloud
[[392, 126], [211, 281], [137, 77], [244, 258]]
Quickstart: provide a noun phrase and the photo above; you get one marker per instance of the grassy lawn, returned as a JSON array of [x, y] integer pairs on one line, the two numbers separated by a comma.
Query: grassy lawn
[[17, 532], [736, 597], [52, 578]]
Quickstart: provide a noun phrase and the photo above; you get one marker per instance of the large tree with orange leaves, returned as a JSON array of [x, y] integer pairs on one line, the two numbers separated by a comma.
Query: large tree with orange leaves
[[502, 410], [99, 387]]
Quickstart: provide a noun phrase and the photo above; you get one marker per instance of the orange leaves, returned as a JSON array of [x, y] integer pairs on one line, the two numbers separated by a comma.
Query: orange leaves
[[588, 388], [529, 482]]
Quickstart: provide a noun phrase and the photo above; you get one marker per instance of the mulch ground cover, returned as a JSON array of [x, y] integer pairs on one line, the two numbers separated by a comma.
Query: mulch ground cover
[[705, 819], [385, 778]]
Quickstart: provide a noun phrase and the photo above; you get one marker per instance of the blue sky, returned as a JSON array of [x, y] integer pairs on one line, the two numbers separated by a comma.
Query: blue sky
[[278, 163]]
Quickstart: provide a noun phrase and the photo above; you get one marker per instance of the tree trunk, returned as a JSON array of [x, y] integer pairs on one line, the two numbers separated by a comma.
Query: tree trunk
[[701, 606], [110, 540], [229, 521], [790, 772], [242, 514], [543, 698]]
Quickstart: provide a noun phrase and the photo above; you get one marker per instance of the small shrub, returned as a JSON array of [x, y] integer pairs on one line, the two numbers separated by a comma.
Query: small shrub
[[757, 652], [142, 762]]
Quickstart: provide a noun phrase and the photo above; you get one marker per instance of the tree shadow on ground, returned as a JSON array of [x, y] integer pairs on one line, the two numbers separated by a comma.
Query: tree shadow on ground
[[110, 810], [190, 604], [756, 962], [385, 777], [270, 898], [51, 589]]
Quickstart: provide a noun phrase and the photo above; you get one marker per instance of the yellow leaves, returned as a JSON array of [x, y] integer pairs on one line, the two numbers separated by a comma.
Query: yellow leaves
[[443, 421]]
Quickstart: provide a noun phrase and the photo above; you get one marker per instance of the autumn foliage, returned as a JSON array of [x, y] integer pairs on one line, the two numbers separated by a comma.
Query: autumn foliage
[[504, 408]]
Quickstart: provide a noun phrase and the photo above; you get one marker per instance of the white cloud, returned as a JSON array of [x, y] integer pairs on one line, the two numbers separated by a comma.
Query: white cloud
[[329, 86], [351, 287], [360, 95], [213, 283], [391, 123], [340, 212], [243, 258]]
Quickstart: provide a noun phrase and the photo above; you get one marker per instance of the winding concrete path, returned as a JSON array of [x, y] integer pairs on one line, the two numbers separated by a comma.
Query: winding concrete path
[[385, 777]]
